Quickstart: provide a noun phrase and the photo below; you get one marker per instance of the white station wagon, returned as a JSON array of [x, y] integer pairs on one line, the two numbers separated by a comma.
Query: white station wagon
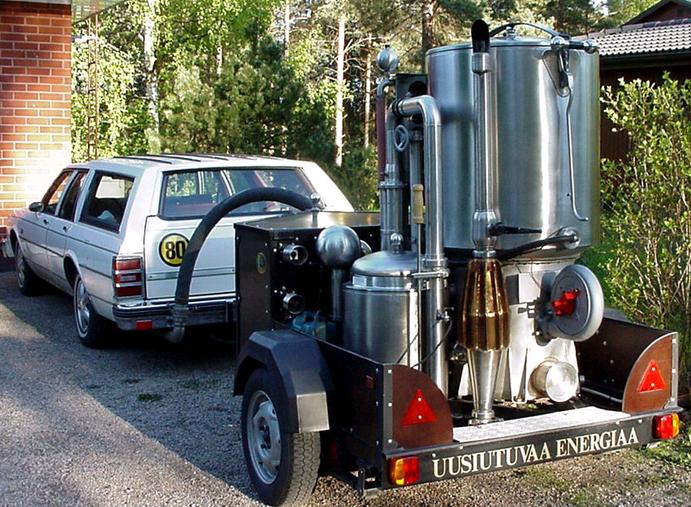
[[113, 233]]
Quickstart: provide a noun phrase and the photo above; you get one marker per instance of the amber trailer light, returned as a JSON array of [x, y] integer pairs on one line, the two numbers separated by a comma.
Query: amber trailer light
[[666, 426], [127, 277], [404, 471]]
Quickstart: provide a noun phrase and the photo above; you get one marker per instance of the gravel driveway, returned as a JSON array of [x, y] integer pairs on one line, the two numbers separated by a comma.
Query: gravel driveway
[[148, 423]]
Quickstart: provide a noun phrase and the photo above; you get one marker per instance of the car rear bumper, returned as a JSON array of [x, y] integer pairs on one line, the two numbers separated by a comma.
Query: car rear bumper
[[160, 316]]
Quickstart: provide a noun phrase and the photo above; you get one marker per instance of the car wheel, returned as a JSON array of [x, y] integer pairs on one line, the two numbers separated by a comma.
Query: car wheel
[[282, 466], [28, 282], [90, 325]]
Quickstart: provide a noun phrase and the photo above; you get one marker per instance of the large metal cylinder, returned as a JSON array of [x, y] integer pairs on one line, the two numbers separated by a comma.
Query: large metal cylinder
[[534, 181], [381, 309]]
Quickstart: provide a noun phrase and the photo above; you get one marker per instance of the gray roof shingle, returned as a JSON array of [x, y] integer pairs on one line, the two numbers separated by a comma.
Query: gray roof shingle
[[644, 38]]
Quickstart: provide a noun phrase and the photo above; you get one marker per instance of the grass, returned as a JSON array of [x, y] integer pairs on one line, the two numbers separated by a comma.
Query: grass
[[677, 451]]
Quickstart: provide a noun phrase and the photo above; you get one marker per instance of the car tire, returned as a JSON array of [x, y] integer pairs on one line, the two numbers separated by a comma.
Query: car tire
[[91, 327], [28, 282], [283, 467]]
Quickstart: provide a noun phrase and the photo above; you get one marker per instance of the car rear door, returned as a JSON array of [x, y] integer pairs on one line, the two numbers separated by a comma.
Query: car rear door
[[187, 196]]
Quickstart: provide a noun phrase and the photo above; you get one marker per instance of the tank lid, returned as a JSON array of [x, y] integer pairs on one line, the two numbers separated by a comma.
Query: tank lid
[[494, 42], [386, 263]]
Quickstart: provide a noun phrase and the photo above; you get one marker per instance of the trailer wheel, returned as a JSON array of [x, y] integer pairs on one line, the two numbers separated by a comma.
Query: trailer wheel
[[282, 466]]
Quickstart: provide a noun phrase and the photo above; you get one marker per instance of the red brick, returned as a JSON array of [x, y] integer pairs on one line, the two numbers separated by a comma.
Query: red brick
[[24, 29], [25, 129], [6, 179], [61, 39], [38, 87], [26, 79], [13, 170], [26, 96], [25, 112], [12, 87], [51, 130], [32, 46], [52, 80], [13, 120], [12, 204], [10, 103], [40, 71], [25, 62], [13, 137], [13, 70], [41, 21], [12, 53], [12, 20]]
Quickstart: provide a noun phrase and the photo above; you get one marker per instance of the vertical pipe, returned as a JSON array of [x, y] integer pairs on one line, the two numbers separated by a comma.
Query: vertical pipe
[[380, 112], [433, 260], [391, 189]]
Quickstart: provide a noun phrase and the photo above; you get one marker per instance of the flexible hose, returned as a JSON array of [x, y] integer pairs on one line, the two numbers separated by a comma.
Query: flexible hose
[[189, 260], [534, 245]]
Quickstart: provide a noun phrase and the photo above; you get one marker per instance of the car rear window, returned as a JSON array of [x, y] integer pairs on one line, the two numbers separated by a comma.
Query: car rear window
[[192, 193], [107, 200]]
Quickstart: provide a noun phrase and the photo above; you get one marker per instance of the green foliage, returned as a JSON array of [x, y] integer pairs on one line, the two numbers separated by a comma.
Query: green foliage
[[647, 199], [255, 104], [358, 178]]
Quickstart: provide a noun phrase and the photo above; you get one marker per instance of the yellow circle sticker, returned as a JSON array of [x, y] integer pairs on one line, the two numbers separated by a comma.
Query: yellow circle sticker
[[172, 249]]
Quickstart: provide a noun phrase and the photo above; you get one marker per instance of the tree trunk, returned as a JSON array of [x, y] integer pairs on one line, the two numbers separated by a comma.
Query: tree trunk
[[286, 26], [340, 83], [152, 97], [427, 42], [368, 90]]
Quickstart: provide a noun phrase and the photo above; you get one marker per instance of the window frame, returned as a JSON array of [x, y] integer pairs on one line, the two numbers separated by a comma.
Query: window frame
[[69, 174], [83, 173], [91, 193]]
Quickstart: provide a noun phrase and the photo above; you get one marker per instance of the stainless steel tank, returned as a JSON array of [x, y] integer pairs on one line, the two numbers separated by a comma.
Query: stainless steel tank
[[381, 308], [535, 184]]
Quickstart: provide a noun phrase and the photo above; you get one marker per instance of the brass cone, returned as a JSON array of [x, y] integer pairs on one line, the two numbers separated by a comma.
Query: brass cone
[[484, 321]]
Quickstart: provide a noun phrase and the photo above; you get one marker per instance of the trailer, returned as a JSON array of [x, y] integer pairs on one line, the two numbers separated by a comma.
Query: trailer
[[453, 333]]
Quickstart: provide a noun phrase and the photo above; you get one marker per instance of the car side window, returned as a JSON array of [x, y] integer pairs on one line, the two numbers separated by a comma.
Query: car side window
[[106, 201], [69, 203], [52, 198]]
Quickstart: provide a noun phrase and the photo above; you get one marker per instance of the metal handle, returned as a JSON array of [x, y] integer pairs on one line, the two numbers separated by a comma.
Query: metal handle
[[45, 221], [569, 147], [512, 25]]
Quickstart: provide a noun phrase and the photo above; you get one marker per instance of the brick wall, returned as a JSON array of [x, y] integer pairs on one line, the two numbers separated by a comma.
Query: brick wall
[[35, 43]]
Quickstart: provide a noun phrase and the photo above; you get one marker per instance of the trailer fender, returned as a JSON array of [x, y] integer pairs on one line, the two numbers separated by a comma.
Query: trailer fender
[[295, 363]]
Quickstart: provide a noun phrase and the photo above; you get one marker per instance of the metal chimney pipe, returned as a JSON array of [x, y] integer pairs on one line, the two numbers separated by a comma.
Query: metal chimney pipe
[[433, 260]]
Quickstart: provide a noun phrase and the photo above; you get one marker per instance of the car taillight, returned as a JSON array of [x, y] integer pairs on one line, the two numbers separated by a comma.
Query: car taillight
[[127, 277], [404, 471], [666, 426]]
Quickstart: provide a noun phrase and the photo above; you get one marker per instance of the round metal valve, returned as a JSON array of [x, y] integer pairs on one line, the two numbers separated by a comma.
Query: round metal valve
[[576, 305]]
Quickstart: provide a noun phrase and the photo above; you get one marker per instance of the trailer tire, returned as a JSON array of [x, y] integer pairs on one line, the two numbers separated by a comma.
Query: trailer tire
[[286, 477]]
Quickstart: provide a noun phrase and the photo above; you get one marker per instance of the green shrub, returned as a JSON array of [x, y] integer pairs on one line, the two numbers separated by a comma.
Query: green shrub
[[646, 255]]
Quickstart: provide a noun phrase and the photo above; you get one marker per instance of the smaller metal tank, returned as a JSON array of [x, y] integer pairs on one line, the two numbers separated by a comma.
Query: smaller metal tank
[[381, 308]]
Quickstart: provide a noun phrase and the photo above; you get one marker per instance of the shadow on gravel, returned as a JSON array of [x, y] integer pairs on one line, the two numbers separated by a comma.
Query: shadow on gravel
[[179, 395]]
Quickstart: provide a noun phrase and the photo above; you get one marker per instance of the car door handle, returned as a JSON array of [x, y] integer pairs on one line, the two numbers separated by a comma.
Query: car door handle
[[45, 221], [66, 228]]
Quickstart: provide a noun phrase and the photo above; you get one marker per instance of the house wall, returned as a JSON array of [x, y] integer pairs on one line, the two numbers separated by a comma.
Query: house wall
[[35, 44]]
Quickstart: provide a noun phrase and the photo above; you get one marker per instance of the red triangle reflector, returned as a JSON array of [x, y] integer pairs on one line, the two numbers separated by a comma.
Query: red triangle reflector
[[652, 379], [418, 411]]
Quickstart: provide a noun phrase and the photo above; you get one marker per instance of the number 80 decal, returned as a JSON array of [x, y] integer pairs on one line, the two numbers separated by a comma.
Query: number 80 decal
[[172, 249]]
